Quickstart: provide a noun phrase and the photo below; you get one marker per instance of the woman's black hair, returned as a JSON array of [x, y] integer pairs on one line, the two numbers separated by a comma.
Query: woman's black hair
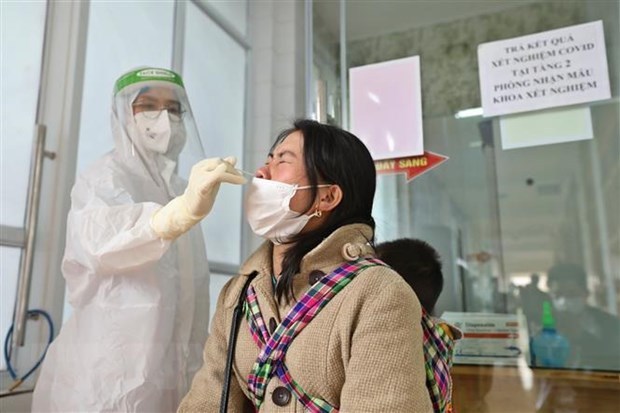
[[333, 156]]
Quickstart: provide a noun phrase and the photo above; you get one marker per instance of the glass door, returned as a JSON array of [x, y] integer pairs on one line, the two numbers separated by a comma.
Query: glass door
[[41, 71], [23, 29], [516, 226]]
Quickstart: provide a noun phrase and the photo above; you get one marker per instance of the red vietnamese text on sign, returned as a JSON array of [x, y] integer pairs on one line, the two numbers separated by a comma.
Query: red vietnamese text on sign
[[411, 166]]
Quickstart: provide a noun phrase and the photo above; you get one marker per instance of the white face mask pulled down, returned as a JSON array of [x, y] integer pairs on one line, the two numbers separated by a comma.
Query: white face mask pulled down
[[159, 134], [267, 206]]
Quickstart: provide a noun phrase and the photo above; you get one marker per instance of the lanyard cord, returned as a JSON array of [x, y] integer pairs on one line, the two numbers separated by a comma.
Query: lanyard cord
[[237, 312]]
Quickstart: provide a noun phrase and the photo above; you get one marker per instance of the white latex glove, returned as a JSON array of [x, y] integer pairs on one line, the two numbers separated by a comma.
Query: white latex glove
[[184, 211]]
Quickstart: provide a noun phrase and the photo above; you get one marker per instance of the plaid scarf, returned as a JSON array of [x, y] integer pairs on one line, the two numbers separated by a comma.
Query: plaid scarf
[[273, 347], [438, 349]]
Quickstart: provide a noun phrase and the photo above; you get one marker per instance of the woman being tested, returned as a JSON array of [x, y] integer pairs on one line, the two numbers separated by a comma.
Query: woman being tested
[[135, 263], [325, 326]]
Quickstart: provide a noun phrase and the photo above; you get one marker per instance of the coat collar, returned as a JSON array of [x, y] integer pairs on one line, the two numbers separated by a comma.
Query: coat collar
[[346, 243]]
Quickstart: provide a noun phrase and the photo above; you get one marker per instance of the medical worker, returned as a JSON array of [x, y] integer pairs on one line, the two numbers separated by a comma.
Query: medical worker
[[135, 262]]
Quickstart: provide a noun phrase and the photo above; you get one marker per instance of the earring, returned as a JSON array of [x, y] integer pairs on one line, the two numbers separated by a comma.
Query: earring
[[317, 213]]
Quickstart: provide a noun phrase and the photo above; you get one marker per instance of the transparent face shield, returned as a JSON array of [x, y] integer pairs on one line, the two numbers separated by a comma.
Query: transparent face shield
[[154, 128]]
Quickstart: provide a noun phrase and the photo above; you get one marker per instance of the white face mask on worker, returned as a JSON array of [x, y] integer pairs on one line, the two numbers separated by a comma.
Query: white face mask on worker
[[157, 132], [267, 206]]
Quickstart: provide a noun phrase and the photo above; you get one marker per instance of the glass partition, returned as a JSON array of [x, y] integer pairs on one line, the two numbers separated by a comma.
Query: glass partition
[[515, 227], [22, 35], [110, 25], [234, 12], [20, 92], [214, 67]]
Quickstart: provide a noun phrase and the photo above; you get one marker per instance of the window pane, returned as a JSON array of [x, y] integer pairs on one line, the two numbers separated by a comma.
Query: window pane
[[22, 31], [214, 74], [121, 36], [235, 12], [9, 267], [563, 230], [502, 219]]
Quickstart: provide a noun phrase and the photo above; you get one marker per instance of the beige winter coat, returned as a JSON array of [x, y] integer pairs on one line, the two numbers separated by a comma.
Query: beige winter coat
[[362, 352]]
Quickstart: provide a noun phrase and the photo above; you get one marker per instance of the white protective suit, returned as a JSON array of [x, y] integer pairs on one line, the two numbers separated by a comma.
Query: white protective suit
[[141, 303]]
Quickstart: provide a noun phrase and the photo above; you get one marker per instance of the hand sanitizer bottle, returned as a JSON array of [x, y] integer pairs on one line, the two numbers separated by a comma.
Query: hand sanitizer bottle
[[548, 347]]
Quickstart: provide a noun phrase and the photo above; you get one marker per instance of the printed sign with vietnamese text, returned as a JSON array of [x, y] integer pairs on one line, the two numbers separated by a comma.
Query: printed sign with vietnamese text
[[555, 68]]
